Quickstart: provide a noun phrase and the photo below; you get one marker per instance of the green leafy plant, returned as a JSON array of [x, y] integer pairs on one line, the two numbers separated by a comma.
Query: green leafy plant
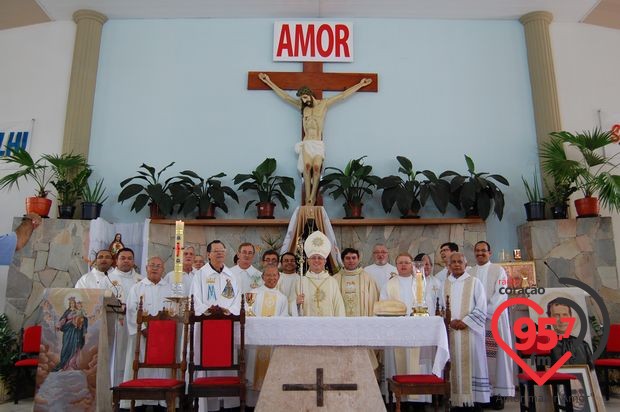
[[476, 193], [9, 353], [149, 189], [267, 186], [558, 192], [70, 175], [94, 194], [353, 183], [593, 173], [192, 191], [410, 194], [28, 169], [533, 192]]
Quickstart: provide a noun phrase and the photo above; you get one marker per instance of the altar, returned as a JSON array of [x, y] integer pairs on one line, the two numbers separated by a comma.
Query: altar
[[337, 347]]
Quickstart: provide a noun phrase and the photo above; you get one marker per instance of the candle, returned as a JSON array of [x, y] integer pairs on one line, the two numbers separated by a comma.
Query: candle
[[178, 252], [419, 285]]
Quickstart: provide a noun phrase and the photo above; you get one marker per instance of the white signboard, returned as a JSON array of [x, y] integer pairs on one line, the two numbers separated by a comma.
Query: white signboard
[[313, 41]]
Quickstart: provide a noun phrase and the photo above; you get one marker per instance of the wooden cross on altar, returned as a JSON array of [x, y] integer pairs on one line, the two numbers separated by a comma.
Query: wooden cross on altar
[[319, 387], [314, 78]]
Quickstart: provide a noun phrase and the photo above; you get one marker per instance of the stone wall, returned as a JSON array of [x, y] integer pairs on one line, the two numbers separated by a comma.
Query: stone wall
[[582, 249]]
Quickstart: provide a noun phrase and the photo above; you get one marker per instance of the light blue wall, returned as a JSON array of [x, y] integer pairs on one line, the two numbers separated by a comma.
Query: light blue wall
[[176, 90]]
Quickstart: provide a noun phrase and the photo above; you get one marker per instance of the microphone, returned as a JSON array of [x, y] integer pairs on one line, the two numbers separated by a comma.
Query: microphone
[[117, 294], [554, 274]]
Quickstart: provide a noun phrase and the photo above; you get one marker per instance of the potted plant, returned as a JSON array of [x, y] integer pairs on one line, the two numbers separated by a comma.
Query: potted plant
[[535, 207], [353, 183], [592, 174], [410, 194], [70, 175], [8, 355], [150, 190], [558, 197], [476, 193], [92, 200], [29, 169], [268, 187], [192, 191]]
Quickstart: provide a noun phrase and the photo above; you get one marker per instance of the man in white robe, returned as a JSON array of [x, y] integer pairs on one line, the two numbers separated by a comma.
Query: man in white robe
[[501, 367], [317, 292], [214, 284], [199, 262], [154, 291], [288, 279], [188, 270], [123, 276], [381, 271], [432, 284], [98, 278], [469, 377], [247, 275], [445, 251], [269, 302]]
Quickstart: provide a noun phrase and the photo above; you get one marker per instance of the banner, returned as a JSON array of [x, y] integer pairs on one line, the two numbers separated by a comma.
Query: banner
[[313, 41], [15, 135]]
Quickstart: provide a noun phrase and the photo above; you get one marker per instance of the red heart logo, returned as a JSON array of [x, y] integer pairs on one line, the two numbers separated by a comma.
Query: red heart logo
[[539, 379]]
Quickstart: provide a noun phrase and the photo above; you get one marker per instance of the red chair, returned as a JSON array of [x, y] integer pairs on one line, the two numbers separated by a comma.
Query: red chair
[[217, 353], [401, 385], [29, 357], [606, 363], [160, 352], [528, 397]]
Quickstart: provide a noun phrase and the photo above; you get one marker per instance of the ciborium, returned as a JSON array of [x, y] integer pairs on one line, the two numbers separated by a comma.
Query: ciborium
[[250, 298]]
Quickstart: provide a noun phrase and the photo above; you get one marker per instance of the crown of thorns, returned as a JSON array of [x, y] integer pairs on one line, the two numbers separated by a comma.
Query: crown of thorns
[[304, 90]]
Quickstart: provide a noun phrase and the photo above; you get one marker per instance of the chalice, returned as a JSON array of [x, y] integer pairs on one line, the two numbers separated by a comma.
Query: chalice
[[250, 298]]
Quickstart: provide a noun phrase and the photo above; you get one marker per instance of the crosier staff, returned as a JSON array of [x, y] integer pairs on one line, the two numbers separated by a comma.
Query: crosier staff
[[299, 255]]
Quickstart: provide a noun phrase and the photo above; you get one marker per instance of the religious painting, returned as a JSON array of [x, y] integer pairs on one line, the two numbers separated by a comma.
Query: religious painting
[[520, 274], [574, 294], [67, 371], [581, 389]]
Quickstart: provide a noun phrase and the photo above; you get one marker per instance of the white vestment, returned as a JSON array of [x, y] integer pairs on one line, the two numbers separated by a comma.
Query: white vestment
[[124, 281], [154, 300], [96, 280], [286, 285], [248, 279], [381, 274], [322, 295], [212, 288], [312, 149], [501, 368], [442, 275], [186, 280], [469, 373]]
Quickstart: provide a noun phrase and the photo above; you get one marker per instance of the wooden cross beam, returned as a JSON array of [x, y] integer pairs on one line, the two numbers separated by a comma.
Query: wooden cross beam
[[315, 78], [319, 387]]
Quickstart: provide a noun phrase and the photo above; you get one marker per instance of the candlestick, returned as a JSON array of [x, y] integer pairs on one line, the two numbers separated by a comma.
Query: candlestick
[[419, 284], [177, 278]]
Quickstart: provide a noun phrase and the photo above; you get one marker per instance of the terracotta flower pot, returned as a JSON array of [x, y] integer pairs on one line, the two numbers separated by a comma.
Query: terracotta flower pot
[[353, 211], [265, 210], [155, 212], [207, 214], [587, 207], [410, 215], [39, 205]]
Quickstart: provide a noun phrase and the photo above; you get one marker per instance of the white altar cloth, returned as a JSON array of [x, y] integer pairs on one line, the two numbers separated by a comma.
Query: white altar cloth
[[374, 332]]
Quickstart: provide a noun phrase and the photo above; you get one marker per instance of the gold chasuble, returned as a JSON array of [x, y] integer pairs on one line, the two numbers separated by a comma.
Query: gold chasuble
[[322, 296], [359, 292], [263, 353]]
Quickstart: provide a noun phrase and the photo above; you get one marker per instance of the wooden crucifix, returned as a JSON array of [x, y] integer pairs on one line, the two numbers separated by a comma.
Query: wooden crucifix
[[319, 387], [310, 85]]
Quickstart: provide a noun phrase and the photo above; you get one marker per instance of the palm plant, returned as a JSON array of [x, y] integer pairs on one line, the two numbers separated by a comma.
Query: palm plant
[[410, 194], [28, 169], [593, 174], [150, 189], [267, 186], [70, 176], [193, 191]]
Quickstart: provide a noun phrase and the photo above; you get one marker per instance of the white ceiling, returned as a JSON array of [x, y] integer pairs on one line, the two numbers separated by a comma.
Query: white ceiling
[[563, 10]]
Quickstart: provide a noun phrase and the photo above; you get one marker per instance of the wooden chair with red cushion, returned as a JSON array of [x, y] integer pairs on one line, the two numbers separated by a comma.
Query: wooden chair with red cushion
[[606, 363], [160, 351], [422, 384], [216, 340], [528, 397], [29, 357]]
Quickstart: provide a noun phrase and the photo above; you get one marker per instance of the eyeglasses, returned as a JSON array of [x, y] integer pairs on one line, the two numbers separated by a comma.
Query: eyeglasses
[[155, 266], [218, 251]]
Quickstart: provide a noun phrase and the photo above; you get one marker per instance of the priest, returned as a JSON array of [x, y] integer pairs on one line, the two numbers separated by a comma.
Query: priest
[[445, 251], [124, 277], [359, 290], [288, 279], [381, 270], [468, 303], [493, 277], [317, 292], [188, 270], [98, 278], [247, 275]]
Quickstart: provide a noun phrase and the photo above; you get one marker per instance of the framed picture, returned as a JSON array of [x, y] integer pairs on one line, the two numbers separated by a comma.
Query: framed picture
[[581, 389], [520, 274]]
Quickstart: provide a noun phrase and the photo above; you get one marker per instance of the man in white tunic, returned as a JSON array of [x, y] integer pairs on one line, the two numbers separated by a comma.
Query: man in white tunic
[[445, 251], [199, 262], [469, 378], [188, 270], [123, 277], [154, 291], [214, 284], [98, 278], [433, 285], [381, 271], [247, 275], [359, 290], [493, 277], [288, 279], [269, 302], [317, 292]]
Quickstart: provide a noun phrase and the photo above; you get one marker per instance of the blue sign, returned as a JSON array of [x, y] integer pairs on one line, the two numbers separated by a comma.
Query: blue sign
[[10, 141]]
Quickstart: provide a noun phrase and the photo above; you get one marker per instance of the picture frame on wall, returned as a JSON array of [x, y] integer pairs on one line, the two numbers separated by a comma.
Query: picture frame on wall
[[582, 392], [520, 274]]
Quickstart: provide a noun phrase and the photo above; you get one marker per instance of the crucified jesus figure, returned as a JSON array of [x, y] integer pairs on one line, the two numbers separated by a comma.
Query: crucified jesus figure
[[311, 149]]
